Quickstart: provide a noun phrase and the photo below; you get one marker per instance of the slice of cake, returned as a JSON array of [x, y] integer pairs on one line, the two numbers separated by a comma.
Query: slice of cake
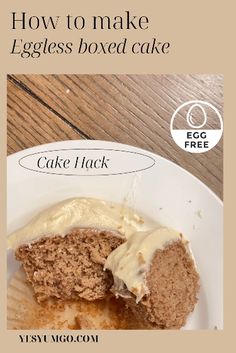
[[70, 266], [155, 272]]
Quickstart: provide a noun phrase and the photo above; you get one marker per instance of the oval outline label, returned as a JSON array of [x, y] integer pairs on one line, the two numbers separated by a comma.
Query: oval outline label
[[150, 158]]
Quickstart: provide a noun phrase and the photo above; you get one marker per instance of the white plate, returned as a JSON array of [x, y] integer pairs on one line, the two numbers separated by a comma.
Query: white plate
[[157, 188]]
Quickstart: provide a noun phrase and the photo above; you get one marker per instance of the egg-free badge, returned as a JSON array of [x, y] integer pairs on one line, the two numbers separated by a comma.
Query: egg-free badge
[[196, 126]]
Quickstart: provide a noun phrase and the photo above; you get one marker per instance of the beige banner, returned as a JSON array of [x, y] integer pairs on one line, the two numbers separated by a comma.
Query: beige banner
[[201, 41]]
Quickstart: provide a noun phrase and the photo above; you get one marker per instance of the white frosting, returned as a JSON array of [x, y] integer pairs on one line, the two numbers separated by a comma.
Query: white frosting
[[78, 212], [130, 262]]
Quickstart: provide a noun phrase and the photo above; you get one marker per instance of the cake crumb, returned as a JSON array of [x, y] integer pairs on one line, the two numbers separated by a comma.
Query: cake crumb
[[199, 214], [141, 260]]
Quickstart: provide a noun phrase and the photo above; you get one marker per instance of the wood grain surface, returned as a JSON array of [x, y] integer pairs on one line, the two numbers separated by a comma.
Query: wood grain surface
[[130, 109]]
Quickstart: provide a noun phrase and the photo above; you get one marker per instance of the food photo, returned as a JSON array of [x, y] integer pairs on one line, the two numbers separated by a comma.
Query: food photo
[[113, 221]]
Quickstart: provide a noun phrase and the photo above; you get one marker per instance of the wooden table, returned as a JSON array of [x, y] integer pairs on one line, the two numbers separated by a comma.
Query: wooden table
[[131, 109]]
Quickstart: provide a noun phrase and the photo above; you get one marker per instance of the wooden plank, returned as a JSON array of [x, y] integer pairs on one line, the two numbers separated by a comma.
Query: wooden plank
[[134, 109], [29, 123]]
